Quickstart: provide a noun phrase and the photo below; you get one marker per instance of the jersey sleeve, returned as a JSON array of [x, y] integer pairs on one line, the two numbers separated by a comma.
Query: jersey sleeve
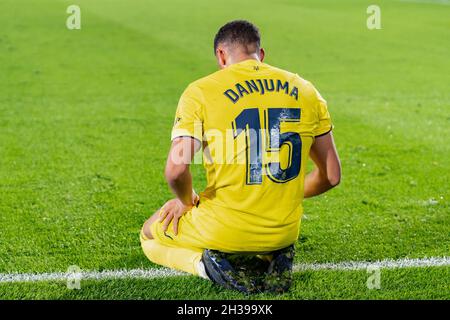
[[189, 116], [324, 120]]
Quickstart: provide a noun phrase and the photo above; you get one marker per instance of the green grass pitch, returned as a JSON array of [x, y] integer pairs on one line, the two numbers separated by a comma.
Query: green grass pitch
[[85, 119]]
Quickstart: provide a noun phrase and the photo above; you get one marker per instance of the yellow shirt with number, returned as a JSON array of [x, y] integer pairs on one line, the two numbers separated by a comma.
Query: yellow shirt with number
[[257, 124]]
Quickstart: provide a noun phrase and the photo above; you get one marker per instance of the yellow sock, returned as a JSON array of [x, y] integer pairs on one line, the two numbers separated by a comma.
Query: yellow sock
[[183, 259]]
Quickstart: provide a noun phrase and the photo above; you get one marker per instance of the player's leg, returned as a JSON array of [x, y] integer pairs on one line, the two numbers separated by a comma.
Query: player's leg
[[166, 252], [185, 251], [183, 259], [146, 231]]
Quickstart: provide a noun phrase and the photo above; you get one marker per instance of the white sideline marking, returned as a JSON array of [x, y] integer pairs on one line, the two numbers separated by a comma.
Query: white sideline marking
[[383, 264], [91, 275], [164, 273]]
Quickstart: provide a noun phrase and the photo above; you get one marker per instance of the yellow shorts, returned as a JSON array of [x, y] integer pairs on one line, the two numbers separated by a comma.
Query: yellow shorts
[[198, 230], [187, 237]]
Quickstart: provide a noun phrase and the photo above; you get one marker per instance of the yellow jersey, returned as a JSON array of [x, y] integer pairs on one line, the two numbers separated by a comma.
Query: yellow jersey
[[256, 124]]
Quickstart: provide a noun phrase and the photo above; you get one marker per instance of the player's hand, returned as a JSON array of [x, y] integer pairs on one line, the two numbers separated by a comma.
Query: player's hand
[[173, 210]]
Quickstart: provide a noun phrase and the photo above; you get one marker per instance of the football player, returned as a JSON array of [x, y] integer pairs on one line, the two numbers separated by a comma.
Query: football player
[[256, 125]]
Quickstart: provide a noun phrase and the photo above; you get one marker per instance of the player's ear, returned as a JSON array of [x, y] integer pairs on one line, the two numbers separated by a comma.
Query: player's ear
[[221, 57], [262, 54]]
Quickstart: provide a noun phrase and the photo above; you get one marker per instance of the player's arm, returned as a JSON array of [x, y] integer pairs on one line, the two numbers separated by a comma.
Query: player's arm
[[179, 178], [327, 171], [186, 136], [177, 172]]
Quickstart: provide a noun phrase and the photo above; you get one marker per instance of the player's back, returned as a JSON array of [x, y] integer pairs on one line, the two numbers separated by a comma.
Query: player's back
[[257, 123]]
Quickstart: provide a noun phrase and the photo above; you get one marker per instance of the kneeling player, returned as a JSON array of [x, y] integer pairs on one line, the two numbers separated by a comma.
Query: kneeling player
[[240, 231]]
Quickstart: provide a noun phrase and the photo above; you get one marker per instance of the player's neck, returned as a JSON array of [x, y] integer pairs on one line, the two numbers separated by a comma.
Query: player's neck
[[244, 57]]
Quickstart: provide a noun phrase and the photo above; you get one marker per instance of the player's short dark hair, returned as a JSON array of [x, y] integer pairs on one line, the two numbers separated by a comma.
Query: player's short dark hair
[[239, 32]]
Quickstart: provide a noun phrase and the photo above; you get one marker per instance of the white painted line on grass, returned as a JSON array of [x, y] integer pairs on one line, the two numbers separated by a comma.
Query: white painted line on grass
[[164, 273], [90, 275], [384, 264]]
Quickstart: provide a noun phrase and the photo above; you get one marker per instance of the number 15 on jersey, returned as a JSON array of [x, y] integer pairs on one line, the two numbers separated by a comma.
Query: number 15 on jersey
[[248, 122]]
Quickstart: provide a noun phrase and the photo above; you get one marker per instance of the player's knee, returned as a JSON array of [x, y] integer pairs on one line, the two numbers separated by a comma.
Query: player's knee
[[146, 232], [151, 250], [148, 243]]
